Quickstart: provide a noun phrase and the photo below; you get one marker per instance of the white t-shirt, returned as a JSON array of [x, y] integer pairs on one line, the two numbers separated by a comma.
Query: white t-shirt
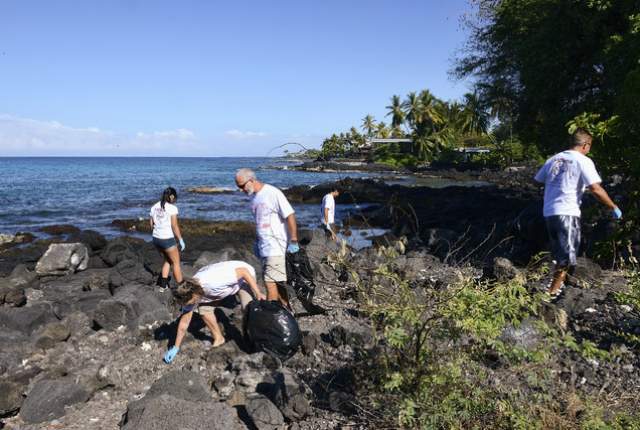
[[219, 280], [162, 220], [270, 209], [565, 177], [328, 202]]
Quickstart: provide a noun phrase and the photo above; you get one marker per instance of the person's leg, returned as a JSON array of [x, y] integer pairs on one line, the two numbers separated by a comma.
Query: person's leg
[[274, 271], [244, 295], [174, 257], [563, 250], [209, 318]]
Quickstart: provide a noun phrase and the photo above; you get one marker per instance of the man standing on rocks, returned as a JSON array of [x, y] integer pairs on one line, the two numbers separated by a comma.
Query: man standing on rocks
[[565, 177], [329, 211], [276, 231]]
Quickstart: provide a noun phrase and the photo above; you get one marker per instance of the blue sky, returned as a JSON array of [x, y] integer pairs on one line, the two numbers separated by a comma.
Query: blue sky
[[212, 78]]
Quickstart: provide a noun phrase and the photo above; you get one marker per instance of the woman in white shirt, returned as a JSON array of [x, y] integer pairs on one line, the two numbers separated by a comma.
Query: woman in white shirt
[[206, 289], [164, 222]]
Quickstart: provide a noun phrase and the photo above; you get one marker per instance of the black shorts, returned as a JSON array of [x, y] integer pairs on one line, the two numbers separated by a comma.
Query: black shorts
[[564, 234], [164, 243]]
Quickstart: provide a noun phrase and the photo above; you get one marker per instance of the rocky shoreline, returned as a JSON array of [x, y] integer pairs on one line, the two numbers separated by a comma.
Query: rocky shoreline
[[84, 326]]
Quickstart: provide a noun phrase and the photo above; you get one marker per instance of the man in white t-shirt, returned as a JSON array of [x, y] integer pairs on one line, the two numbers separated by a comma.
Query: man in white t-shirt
[[565, 176], [329, 212], [276, 231], [208, 286]]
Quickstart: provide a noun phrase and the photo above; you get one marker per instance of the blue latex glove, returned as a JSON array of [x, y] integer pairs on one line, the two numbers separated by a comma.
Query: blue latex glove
[[293, 248], [617, 213], [182, 245], [171, 354]]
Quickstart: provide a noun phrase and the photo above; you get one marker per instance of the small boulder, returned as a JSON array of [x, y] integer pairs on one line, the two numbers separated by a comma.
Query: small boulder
[[181, 384], [127, 272], [52, 334], [166, 412], [10, 397], [502, 270], [48, 398], [26, 319], [63, 259], [264, 414]]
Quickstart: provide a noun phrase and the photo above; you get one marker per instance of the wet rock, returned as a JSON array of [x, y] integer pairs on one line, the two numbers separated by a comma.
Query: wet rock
[[263, 413], [6, 238], [26, 319], [129, 271], [48, 398], [63, 259], [52, 334], [166, 412], [10, 397], [60, 229], [440, 241]]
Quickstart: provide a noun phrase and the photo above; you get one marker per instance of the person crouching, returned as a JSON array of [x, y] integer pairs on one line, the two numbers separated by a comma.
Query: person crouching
[[205, 290]]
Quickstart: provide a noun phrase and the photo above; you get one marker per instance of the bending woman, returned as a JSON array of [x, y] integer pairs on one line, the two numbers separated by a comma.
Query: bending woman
[[211, 284], [164, 222]]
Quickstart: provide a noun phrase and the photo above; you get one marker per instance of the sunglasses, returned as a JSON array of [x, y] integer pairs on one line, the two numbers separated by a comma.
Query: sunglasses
[[244, 185]]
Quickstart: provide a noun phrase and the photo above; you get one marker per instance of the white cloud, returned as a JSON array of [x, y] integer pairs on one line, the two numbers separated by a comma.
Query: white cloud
[[25, 136], [238, 134], [30, 137]]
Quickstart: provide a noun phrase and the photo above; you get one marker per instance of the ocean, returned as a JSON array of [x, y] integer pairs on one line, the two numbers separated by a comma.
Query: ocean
[[91, 192]]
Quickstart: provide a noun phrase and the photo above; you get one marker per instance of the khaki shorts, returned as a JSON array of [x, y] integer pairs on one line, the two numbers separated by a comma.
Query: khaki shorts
[[244, 294], [274, 269]]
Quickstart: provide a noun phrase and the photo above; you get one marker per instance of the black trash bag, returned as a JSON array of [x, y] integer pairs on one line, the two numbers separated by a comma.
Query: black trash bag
[[271, 328], [300, 279]]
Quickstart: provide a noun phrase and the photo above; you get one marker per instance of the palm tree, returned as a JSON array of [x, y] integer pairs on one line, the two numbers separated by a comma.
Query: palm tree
[[411, 108], [396, 112], [382, 131], [368, 125], [477, 117]]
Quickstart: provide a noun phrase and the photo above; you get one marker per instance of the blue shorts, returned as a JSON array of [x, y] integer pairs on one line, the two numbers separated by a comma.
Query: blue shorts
[[164, 243], [564, 234]]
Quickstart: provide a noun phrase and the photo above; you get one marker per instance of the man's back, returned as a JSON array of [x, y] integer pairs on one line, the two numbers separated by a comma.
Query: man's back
[[565, 176]]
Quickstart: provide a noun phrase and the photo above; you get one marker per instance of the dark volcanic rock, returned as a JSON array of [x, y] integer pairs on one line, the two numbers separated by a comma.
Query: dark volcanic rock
[[118, 250], [51, 334], [179, 399], [47, 399], [63, 259], [131, 306], [26, 319], [264, 414], [92, 239], [181, 384], [60, 229], [127, 272], [10, 397], [166, 412]]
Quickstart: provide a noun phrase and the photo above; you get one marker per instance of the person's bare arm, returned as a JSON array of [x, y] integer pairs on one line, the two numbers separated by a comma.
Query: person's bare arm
[[183, 325], [175, 227], [292, 227], [602, 196], [326, 216], [151, 223], [243, 273]]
